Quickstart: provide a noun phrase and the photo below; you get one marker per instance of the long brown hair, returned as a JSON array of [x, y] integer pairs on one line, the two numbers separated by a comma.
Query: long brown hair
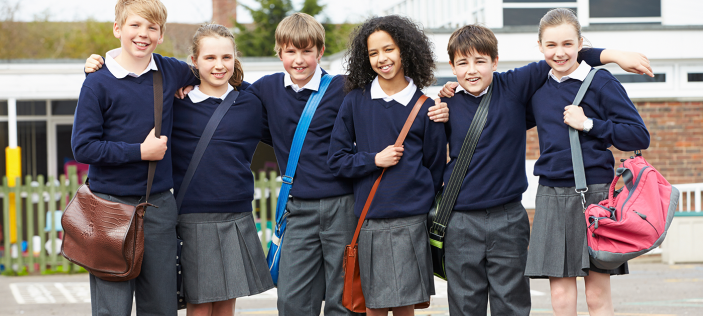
[[216, 30]]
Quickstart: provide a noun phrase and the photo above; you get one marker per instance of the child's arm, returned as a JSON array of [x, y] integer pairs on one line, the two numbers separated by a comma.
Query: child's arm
[[434, 151], [88, 146], [618, 123], [343, 158], [255, 89]]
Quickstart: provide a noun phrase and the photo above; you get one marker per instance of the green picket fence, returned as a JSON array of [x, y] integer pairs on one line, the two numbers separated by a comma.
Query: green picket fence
[[39, 204]]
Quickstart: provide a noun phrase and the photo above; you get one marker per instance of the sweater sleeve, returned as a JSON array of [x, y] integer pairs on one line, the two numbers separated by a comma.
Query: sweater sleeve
[[622, 125], [86, 139], [434, 150], [591, 56], [343, 158], [255, 89]]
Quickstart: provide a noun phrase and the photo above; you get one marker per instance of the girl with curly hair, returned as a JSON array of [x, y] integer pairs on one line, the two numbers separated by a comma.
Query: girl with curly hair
[[390, 60]]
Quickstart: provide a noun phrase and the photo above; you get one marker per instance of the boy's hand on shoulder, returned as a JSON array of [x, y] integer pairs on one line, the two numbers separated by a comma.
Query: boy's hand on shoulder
[[574, 117], [448, 89], [153, 148], [183, 92], [389, 157], [439, 112], [93, 63], [629, 61]]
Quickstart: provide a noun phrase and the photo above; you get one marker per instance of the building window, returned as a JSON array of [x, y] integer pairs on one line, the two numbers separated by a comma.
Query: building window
[[695, 77], [625, 11], [524, 16], [3, 109], [634, 78], [533, 1], [441, 81], [63, 107], [31, 108]]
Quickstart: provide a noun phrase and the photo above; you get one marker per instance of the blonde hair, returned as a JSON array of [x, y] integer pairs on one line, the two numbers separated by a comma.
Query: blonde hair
[[152, 10], [300, 30], [216, 30], [556, 17]]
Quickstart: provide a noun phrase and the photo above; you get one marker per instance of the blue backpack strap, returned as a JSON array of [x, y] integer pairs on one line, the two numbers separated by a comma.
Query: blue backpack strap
[[294, 155], [203, 142]]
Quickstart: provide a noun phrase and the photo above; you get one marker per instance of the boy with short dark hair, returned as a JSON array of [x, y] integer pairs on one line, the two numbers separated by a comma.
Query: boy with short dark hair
[[113, 132], [488, 232]]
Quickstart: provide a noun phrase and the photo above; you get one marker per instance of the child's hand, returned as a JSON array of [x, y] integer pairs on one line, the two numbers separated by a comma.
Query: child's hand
[[574, 117], [93, 63], [448, 89], [630, 61], [182, 92], [439, 112], [389, 157], [153, 148]]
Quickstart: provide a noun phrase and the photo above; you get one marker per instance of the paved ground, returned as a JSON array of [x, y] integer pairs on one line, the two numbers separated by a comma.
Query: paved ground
[[651, 289]]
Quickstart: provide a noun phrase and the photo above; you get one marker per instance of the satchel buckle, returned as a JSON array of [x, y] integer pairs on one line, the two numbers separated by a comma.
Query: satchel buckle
[[287, 179], [583, 197]]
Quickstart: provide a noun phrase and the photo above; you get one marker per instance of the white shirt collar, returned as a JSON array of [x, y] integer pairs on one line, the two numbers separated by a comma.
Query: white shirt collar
[[579, 74], [313, 84], [403, 97], [118, 71], [461, 89], [198, 96]]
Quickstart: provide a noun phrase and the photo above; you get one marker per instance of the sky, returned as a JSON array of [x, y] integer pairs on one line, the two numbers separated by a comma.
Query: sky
[[179, 11]]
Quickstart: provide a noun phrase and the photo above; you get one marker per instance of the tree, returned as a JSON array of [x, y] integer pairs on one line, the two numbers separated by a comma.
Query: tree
[[259, 39]]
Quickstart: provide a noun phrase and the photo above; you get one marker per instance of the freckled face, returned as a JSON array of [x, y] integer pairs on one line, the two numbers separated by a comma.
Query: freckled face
[[384, 56], [561, 45], [474, 72]]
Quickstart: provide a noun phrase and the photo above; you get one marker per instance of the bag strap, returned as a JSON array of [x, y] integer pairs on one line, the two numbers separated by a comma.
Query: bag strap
[[452, 188], [204, 142], [576, 155], [158, 110], [298, 138], [398, 143]]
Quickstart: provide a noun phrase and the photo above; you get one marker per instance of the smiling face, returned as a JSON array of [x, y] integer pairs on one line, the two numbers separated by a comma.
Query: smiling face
[[138, 37], [560, 45], [215, 64], [384, 56], [474, 72], [300, 63]]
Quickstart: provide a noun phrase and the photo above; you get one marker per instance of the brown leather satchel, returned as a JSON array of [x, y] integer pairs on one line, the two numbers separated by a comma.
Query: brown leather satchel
[[352, 295], [104, 237]]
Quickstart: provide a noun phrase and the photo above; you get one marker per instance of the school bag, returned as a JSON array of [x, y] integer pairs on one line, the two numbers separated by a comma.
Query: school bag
[[273, 257], [438, 217], [635, 218]]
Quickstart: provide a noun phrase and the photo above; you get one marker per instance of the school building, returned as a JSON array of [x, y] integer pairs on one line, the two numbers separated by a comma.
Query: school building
[[38, 97]]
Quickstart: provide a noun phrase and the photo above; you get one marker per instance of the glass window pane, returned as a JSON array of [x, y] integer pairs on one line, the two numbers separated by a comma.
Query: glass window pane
[[695, 77], [625, 8], [634, 78], [3, 108], [537, 1], [3, 144], [31, 107], [31, 137], [63, 107], [531, 17], [443, 80]]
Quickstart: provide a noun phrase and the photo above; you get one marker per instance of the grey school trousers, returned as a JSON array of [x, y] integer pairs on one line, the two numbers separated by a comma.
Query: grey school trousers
[[155, 287], [485, 257], [311, 256]]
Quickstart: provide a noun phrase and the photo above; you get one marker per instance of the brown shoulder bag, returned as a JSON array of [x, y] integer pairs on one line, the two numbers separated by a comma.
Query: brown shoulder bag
[[104, 237], [352, 295]]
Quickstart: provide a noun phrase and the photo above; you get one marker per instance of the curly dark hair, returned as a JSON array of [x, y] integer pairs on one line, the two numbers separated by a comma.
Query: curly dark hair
[[416, 53]]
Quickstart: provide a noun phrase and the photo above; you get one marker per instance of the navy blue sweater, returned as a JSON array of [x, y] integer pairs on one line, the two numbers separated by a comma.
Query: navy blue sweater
[[282, 110], [112, 119], [223, 182], [365, 127], [615, 122]]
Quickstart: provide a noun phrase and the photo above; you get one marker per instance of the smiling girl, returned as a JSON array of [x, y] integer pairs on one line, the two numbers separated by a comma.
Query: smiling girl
[[390, 60], [558, 247], [222, 258]]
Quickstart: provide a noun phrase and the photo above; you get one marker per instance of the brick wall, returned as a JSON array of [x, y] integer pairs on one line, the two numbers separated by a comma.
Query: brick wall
[[676, 147], [224, 12]]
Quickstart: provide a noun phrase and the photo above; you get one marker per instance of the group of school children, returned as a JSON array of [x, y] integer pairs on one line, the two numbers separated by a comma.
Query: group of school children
[[348, 144]]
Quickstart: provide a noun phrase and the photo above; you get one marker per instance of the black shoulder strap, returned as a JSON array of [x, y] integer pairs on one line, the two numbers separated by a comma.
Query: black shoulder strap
[[203, 142], [451, 189], [158, 110]]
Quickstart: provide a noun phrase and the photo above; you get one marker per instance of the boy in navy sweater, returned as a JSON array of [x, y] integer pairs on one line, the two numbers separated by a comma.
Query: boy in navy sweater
[[113, 132], [487, 235]]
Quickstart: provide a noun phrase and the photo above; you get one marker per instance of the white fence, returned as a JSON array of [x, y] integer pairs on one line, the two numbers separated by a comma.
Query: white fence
[[690, 195]]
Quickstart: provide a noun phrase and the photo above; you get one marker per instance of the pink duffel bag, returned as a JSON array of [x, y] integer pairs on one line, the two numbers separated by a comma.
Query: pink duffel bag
[[634, 219]]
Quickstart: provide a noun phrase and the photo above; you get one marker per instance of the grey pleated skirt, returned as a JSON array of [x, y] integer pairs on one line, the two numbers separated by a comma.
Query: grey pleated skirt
[[222, 257], [558, 244], [394, 262]]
